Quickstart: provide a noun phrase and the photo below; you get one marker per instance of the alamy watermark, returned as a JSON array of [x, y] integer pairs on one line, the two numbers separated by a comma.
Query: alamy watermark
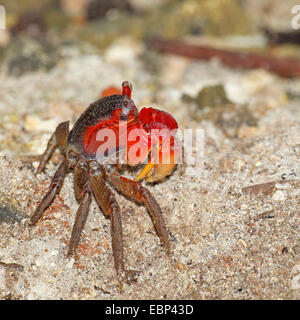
[[158, 147], [2, 18], [295, 23]]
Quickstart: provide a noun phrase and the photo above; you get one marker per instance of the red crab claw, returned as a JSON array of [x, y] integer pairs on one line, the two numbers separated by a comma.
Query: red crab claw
[[161, 129]]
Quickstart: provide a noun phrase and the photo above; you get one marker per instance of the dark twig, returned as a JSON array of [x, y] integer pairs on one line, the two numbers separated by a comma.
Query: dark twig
[[282, 66], [11, 265], [283, 37], [267, 188], [264, 215]]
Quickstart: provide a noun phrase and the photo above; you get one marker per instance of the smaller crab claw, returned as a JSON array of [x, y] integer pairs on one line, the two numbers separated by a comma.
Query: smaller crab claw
[[161, 128]]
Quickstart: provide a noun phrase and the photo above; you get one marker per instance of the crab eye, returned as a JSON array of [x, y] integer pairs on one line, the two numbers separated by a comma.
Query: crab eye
[[127, 106]]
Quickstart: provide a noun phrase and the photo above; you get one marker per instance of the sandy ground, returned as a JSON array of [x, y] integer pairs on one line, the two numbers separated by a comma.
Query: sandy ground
[[228, 241]]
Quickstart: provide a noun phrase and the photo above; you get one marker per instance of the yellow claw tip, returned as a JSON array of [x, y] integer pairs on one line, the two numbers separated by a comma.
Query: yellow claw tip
[[145, 171]]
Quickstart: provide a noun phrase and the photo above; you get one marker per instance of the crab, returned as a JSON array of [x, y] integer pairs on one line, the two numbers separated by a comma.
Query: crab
[[93, 172]]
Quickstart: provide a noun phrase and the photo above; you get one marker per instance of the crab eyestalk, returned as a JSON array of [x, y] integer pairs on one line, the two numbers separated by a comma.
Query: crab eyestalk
[[126, 89], [161, 128]]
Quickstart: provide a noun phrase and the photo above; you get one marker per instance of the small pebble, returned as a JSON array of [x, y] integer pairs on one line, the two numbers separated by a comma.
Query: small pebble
[[180, 267], [279, 196], [39, 263], [242, 243], [54, 252], [34, 123], [70, 264], [282, 186]]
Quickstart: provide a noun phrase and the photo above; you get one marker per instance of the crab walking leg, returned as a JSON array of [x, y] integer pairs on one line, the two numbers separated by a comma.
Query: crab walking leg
[[58, 139], [136, 191], [81, 178], [110, 207], [54, 189], [83, 195], [80, 219]]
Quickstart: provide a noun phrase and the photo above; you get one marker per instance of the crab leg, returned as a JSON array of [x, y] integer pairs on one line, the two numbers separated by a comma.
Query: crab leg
[[110, 207], [136, 191], [81, 178], [54, 189], [84, 195], [58, 139], [80, 219]]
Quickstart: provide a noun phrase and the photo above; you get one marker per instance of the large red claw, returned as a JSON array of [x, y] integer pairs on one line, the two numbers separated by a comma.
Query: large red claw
[[161, 128], [157, 119]]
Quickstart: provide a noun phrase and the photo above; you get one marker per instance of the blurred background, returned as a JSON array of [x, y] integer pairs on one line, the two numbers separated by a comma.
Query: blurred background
[[43, 27]]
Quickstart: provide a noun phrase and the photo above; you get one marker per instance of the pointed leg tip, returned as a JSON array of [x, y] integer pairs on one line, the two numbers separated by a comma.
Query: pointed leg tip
[[168, 251], [69, 254], [167, 248], [38, 171], [128, 276], [166, 245], [32, 221]]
